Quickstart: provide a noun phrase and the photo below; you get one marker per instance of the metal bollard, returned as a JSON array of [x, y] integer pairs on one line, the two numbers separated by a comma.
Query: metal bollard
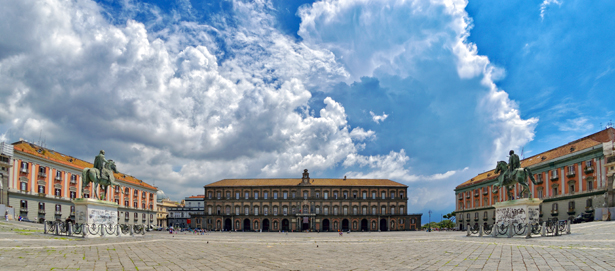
[[117, 229], [543, 230], [510, 230], [57, 228], [480, 231], [468, 230], [45, 227], [102, 230], [132, 230], [69, 230], [84, 229], [528, 231], [557, 228], [568, 226], [494, 230]]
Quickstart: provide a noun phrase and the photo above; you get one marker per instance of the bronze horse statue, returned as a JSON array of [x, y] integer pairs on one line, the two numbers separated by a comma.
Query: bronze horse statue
[[519, 175], [89, 175]]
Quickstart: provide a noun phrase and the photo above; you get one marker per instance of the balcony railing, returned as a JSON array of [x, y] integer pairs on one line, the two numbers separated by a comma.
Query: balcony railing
[[468, 196], [42, 174], [476, 194], [571, 174], [58, 178], [589, 169], [485, 192], [41, 212], [24, 170], [23, 210], [58, 212]]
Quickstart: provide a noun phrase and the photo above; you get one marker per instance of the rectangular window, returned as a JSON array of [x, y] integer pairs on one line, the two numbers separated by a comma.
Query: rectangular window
[[392, 195], [209, 210], [590, 185], [23, 204], [247, 210], [247, 195], [228, 195], [305, 194], [384, 195], [209, 195], [335, 195], [58, 208], [285, 195], [236, 210], [73, 178], [58, 175], [294, 195], [24, 167], [265, 195], [275, 195], [354, 195], [401, 195], [256, 210], [364, 195], [345, 210], [23, 187], [218, 195], [540, 194], [326, 194], [374, 210], [73, 194], [345, 195], [255, 195], [373, 195], [126, 203], [41, 189], [58, 192], [237, 195], [317, 195], [285, 210]]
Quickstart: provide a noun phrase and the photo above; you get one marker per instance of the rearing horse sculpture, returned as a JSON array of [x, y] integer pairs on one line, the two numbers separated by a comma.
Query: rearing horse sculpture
[[507, 179], [89, 175]]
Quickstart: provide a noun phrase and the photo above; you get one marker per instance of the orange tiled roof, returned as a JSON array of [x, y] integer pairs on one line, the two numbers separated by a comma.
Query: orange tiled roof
[[70, 161], [572, 147], [197, 197], [297, 181]]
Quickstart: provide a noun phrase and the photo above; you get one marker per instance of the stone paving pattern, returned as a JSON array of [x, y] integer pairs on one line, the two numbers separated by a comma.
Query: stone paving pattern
[[591, 246]]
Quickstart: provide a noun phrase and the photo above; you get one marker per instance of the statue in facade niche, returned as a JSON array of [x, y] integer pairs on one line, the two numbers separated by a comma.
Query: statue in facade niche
[[101, 174], [511, 174]]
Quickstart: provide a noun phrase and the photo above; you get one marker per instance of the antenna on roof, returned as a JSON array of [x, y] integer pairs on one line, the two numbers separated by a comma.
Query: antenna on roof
[[522, 149]]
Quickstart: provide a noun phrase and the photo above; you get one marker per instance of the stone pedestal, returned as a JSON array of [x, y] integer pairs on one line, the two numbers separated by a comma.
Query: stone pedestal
[[520, 211], [98, 212]]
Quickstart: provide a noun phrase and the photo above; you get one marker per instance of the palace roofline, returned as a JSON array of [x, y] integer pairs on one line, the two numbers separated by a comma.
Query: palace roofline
[[297, 182], [70, 161], [575, 146]]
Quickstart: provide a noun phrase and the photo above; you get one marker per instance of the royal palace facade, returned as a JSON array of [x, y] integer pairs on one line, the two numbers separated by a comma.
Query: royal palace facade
[[305, 204], [573, 179], [43, 183]]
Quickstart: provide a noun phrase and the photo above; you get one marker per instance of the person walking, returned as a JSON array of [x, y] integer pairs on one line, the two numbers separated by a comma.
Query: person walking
[[6, 216]]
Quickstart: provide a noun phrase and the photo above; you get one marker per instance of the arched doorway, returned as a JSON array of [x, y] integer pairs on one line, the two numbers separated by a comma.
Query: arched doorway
[[364, 225], [383, 224], [345, 226], [228, 224], [265, 224], [306, 224], [325, 225], [285, 225], [246, 224]]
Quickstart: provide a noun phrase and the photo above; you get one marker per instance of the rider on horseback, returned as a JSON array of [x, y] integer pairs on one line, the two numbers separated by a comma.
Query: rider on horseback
[[99, 163], [513, 164]]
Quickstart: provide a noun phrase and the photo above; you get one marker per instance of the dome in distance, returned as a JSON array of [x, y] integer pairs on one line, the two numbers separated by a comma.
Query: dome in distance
[[160, 195]]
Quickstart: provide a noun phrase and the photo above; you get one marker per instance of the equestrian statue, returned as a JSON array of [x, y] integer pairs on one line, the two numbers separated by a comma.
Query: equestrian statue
[[101, 174], [511, 174]]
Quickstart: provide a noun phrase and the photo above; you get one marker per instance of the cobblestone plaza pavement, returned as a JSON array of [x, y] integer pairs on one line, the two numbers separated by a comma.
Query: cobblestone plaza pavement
[[591, 246]]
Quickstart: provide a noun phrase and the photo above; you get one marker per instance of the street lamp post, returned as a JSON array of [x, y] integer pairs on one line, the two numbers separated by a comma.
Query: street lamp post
[[429, 225]]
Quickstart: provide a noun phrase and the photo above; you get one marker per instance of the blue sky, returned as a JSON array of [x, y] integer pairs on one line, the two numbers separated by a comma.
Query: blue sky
[[427, 93]]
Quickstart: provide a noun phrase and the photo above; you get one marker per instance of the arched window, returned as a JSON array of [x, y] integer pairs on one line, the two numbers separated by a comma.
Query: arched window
[[393, 210], [247, 210], [335, 210], [413, 221], [266, 210], [588, 203], [355, 210], [571, 205], [345, 210], [364, 210], [236, 210], [228, 210], [275, 210], [255, 210], [401, 210], [326, 210], [384, 210], [373, 210]]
